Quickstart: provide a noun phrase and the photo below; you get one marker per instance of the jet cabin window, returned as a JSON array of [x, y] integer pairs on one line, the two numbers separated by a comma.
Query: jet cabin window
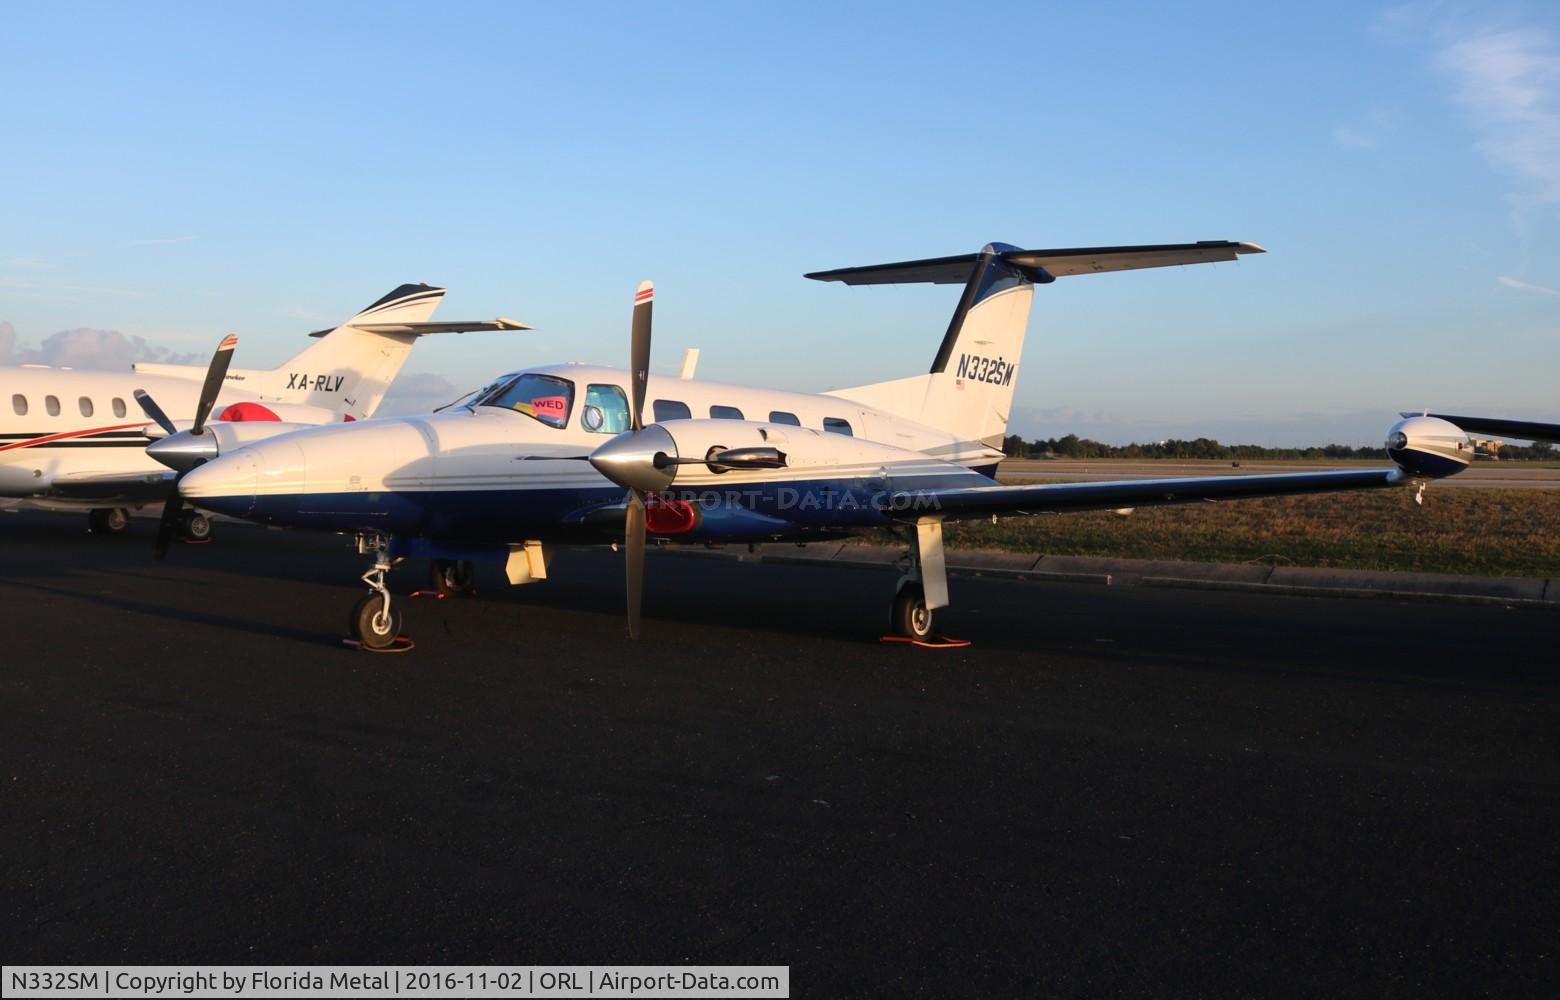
[[19, 405], [725, 413], [541, 397], [119, 407], [782, 417], [52, 404], [670, 409], [86, 407], [606, 410], [834, 425]]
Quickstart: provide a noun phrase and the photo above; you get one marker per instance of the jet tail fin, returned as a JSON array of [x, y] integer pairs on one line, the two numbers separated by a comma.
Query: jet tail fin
[[351, 366]]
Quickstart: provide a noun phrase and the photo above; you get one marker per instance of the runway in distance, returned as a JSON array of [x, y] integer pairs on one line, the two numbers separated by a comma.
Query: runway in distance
[[564, 454], [77, 439]]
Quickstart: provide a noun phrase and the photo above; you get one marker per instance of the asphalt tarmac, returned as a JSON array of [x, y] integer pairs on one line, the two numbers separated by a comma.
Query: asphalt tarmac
[[1114, 790]]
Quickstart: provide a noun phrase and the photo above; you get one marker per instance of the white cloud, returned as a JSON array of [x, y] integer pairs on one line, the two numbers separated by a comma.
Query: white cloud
[[1508, 81], [1526, 286], [88, 348]]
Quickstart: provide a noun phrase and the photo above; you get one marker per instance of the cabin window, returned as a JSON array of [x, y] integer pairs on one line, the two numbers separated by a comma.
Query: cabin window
[[119, 406], [834, 425], [544, 398], [782, 417], [86, 406], [606, 410], [52, 404], [19, 405], [725, 413], [670, 409]]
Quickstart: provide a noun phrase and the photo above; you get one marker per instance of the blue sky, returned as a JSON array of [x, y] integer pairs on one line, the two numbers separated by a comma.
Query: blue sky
[[174, 172]]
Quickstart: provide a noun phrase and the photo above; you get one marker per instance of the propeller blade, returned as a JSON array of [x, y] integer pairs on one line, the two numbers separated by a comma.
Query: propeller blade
[[151, 409], [552, 458], [213, 384], [634, 561], [173, 507], [639, 352]]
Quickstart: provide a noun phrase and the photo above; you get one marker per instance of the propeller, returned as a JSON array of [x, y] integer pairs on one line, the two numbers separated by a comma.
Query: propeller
[[634, 514], [175, 447]]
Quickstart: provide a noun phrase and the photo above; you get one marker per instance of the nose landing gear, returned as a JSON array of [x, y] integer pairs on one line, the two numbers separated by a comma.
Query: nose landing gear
[[375, 622]]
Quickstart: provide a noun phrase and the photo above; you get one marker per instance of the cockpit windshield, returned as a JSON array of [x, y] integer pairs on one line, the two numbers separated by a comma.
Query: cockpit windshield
[[544, 397]]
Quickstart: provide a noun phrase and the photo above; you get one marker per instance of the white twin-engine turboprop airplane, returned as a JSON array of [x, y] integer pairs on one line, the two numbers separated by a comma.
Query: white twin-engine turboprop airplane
[[560, 454], [77, 439]]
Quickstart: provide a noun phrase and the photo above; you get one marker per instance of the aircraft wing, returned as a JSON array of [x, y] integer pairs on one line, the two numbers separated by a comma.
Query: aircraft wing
[[984, 501], [422, 329], [120, 487], [1057, 263], [1523, 430]]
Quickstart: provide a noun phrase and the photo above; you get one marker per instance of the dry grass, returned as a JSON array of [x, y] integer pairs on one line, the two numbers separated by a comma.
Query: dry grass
[[1495, 532]]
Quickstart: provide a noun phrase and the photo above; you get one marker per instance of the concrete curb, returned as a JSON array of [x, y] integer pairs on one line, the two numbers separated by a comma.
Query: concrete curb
[[1294, 581]]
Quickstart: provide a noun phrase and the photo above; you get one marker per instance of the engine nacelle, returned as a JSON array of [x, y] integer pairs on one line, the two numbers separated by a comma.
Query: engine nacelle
[[1429, 446], [185, 450]]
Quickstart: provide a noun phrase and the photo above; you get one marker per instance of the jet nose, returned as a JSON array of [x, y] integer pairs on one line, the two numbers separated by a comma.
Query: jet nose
[[225, 485], [630, 459]]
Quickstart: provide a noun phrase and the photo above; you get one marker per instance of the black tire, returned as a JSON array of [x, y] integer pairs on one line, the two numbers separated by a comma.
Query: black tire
[[195, 526], [108, 520], [911, 615], [368, 624], [450, 576]]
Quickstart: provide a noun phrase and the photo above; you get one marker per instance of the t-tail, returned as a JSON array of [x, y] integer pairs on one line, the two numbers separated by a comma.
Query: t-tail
[[969, 390], [350, 367]]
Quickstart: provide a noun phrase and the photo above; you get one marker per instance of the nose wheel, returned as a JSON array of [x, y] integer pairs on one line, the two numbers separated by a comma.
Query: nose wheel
[[376, 622]]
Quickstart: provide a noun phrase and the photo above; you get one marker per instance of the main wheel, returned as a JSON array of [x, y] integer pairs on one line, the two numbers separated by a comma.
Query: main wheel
[[911, 615], [450, 576], [371, 626], [195, 526], [108, 520]]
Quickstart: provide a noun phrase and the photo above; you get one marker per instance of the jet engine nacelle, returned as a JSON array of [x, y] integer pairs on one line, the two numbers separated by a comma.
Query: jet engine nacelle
[[1429, 446]]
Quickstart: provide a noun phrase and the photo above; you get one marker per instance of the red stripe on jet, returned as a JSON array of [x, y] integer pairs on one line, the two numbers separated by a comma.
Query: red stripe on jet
[[70, 434]]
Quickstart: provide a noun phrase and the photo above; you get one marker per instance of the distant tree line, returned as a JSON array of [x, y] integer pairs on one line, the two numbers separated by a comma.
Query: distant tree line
[[1073, 446]]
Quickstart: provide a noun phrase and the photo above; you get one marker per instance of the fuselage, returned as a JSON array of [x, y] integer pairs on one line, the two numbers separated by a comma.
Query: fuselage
[[510, 467], [61, 423]]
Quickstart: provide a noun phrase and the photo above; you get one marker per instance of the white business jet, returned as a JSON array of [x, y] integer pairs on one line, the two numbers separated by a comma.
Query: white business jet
[[76, 439]]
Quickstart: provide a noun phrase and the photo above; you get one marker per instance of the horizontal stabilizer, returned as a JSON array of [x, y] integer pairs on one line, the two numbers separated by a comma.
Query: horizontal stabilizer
[[1056, 263], [1522, 430], [423, 329]]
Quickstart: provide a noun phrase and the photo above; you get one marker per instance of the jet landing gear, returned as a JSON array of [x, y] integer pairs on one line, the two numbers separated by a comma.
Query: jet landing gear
[[108, 520], [922, 590], [376, 623], [194, 526], [450, 578]]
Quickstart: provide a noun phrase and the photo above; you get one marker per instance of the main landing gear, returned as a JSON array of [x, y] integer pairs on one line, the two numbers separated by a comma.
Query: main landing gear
[[923, 588], [108, 520], [375, 621]]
